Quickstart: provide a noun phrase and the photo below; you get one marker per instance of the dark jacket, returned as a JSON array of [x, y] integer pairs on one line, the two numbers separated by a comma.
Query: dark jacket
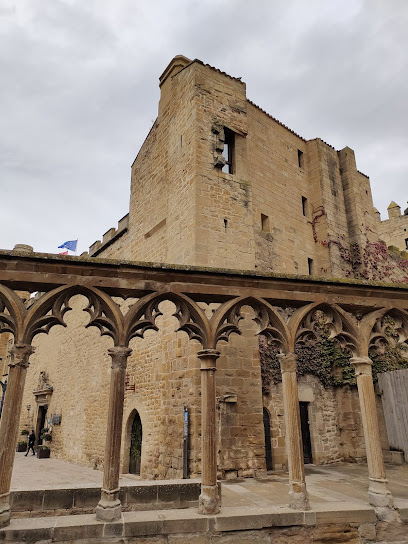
[[31, 439]]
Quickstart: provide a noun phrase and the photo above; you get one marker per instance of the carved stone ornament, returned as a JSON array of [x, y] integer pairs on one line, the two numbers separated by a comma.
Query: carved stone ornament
[[287, 362], [327, 321], [362, 366], [43, 382], [119, 356], [391, 329], [20, 354]]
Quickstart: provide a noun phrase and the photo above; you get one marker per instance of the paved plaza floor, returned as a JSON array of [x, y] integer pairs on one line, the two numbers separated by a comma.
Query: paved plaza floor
[[336, 484]]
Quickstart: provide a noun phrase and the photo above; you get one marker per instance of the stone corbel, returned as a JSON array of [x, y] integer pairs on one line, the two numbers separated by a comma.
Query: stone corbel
[[219, 134]]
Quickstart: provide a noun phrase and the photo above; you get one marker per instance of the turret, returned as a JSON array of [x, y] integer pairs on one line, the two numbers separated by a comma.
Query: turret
[[394, 210]]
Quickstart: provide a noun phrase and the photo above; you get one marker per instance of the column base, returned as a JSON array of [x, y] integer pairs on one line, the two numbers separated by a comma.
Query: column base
[[209, 501], [298, 497], [4, 519], [5, 512], [383, 505], [109, 510]]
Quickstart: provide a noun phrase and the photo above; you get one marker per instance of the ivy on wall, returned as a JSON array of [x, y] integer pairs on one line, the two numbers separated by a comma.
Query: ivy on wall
[[324, 359], [368, 261], [330, 363]]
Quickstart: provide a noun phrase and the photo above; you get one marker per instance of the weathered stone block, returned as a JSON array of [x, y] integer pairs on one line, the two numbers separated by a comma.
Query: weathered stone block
[[86, 497], [247, 537], [335, 535], [142, 494], [81, 527], [58, 498], [26, 500]]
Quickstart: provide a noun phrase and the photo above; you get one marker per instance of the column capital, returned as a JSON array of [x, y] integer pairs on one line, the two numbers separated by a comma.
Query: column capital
[[119, 356], [287, 362], [208, 358], [362, 365], [20, 354]]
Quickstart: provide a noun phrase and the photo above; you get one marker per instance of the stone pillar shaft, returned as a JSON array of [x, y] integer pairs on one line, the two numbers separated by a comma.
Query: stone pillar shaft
[[299, 499], [109, 507], [209, 502], [378, 492], [10, 421]]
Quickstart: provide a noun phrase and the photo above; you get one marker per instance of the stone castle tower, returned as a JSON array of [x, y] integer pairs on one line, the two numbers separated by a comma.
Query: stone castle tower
[[219, 182]]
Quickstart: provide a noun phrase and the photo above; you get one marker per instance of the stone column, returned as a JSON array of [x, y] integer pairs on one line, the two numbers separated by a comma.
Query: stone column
[[379, 494], [209, 501], [10, 421], [109, 507], [298, 497]]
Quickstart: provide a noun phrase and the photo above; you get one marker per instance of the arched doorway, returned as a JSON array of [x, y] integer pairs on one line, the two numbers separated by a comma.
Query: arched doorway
[[135, 453], [268, 447]]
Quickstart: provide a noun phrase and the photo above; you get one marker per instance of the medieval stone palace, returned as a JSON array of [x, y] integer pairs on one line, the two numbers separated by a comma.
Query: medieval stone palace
[[246, 302]]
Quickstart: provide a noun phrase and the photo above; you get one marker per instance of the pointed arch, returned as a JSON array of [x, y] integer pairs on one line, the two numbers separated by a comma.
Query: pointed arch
[[50, 309], [382, 331], [338, 323], [12, 313], [226, 318], [142, 316]]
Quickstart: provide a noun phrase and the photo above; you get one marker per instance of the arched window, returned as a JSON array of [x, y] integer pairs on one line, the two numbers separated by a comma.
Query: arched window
[[135, 445]]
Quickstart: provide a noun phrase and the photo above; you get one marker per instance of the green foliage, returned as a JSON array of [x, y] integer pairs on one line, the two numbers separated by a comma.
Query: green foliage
[[329, 362], [393, 358], [25, 432], [325, 359]]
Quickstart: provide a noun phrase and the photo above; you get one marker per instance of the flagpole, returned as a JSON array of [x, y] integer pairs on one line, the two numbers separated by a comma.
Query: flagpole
[[76, 247]]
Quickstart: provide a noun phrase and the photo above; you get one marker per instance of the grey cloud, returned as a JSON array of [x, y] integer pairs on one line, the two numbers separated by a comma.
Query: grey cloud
[[79, 93]]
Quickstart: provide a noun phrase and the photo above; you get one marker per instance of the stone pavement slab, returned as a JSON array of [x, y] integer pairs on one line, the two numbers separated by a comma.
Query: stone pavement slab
[[337, 483], [30, 473]]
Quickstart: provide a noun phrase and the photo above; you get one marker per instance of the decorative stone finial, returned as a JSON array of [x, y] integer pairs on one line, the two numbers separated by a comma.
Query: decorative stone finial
[[23, 248]]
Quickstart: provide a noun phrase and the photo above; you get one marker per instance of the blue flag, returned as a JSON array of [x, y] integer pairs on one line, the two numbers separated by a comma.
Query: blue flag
[[71, 245]]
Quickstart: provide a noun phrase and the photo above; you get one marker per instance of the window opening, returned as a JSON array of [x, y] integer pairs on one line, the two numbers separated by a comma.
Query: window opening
[[300, 159], [305, 429], [268, 445], [310, 266], [304, 206], [225, 224], [265, 223], [406, 243], [228, 151]]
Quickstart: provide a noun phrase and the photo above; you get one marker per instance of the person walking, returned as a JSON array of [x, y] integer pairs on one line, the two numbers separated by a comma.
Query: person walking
[[31, 442]]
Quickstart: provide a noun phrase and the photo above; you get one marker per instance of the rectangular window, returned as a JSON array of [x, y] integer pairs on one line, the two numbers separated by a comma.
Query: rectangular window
[[300, 159], [265, 223], [310, 266], [304, 206], [406, 243], [229, 151]]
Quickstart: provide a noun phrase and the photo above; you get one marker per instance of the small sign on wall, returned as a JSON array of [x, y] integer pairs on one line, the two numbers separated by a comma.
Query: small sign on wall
[[56, 419]]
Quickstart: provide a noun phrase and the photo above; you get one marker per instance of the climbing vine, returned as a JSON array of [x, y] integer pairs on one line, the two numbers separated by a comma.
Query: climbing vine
[[325, 359], [371, 261], [329, 362]]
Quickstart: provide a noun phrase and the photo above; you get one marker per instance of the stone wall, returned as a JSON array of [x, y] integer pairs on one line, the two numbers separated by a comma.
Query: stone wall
[[394, 230], [77, 365]]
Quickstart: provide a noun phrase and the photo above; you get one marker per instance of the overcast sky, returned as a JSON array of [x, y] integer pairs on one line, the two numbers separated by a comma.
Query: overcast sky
[[79, 93]]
